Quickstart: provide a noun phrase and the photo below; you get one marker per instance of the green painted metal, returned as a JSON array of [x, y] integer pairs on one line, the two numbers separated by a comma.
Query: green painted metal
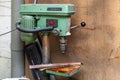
[[27, 22], [43, 9], [63, 24], [62, 73], [28, 37], [43, 12]]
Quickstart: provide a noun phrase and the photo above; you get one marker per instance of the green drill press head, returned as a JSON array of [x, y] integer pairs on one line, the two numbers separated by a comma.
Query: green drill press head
[[47, 9], [45, 15]]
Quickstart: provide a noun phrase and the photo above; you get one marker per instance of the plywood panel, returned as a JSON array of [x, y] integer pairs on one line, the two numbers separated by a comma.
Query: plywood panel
[[98, 49], [26, 1]]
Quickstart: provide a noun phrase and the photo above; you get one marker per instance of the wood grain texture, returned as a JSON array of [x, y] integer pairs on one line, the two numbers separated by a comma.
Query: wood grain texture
[[26, 1], [98, 49]]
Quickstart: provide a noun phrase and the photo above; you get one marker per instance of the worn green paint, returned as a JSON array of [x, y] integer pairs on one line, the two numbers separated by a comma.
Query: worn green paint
[[63, 22], [41, 9], [27, 22], [29, 37], [42, 13]]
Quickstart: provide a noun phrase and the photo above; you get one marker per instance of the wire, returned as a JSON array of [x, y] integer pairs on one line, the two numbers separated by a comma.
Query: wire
[[7, 32]]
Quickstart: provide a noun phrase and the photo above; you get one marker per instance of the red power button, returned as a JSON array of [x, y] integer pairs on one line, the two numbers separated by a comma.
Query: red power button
[[51, 22]]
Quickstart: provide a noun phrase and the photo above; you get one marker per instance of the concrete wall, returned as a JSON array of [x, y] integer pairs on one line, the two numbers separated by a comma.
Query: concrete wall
[[5, 25]]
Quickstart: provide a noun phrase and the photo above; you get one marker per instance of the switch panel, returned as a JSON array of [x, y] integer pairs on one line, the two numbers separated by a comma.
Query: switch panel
[[52, 22]]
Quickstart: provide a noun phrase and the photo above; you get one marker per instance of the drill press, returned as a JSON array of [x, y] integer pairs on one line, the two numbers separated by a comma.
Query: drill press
[[45, 19], [53, 18]]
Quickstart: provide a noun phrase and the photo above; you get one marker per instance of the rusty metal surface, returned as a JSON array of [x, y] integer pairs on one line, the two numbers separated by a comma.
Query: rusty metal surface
[[46, 53], [54, 65], [46, 49]]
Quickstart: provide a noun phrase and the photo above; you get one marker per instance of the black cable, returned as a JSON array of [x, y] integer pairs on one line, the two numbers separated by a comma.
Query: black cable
[[33, 52], [17, 25], [7, 32]]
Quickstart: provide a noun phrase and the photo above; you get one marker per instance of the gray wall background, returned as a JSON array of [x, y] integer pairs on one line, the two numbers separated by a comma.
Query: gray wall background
[[5, 41]]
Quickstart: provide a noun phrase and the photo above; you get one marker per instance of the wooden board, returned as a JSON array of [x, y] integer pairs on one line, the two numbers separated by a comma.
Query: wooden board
[[98, 49]]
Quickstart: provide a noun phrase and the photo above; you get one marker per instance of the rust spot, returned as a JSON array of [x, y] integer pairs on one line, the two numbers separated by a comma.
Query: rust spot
[[66, 69]]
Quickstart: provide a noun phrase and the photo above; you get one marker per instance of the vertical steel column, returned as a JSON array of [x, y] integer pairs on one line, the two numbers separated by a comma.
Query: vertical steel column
[[46, 53], [17, 60], [46, 49]]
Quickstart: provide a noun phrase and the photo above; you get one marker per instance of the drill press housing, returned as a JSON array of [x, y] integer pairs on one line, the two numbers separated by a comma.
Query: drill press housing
[[54, 18], [45, 18], [46, 15]]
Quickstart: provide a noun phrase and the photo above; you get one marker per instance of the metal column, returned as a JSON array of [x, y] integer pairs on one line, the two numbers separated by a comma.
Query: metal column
[[46, 49], [17, 60]]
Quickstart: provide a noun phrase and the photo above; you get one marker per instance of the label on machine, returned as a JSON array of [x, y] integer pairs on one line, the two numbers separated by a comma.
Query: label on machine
[[54, 9]]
